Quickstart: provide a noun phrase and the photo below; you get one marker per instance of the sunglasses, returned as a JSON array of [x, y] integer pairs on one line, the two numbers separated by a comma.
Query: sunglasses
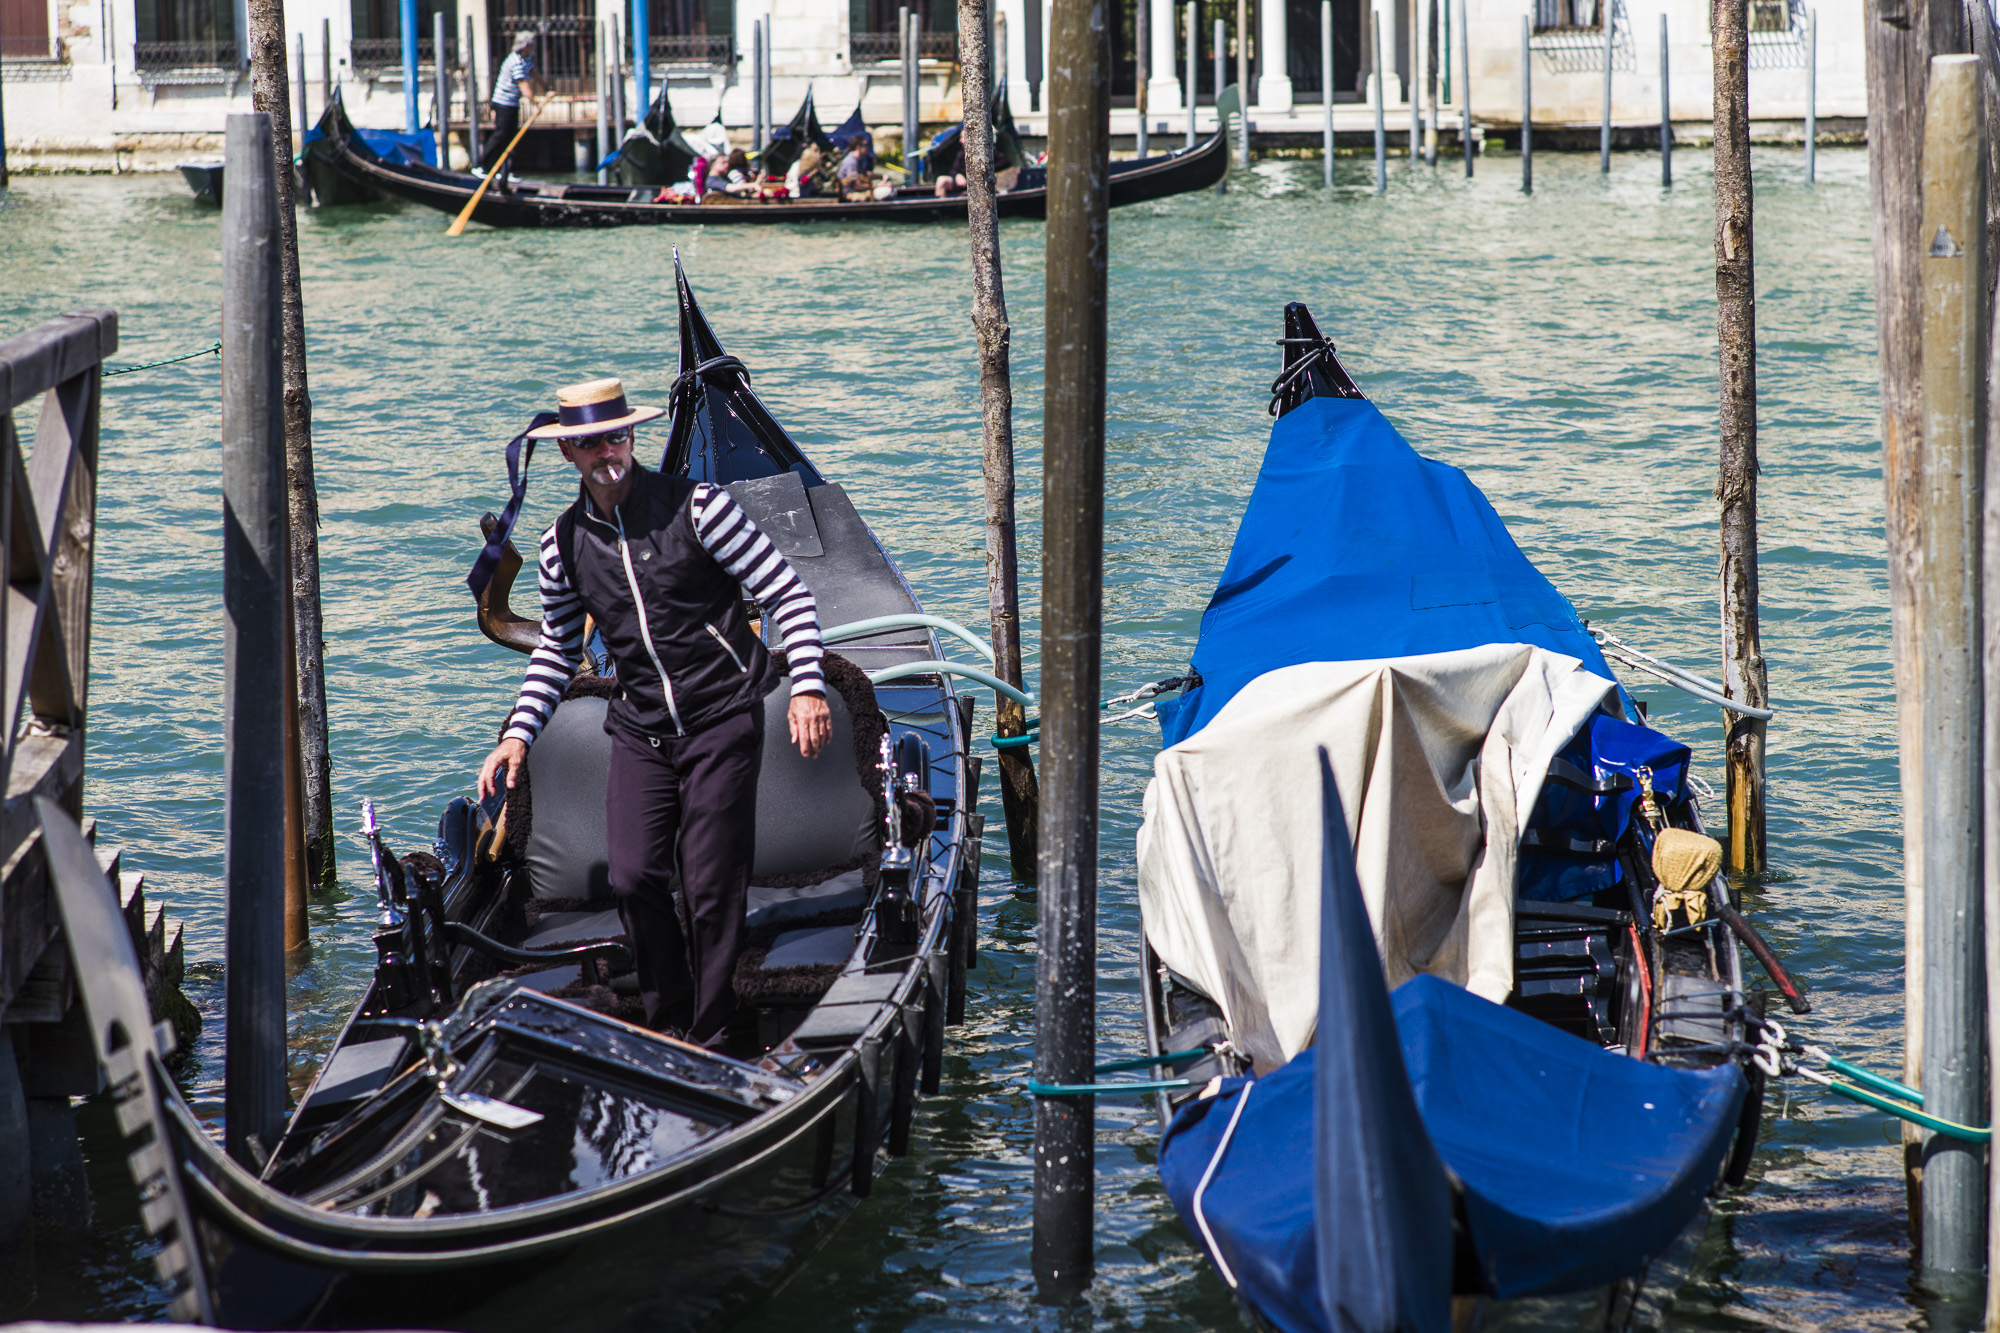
[[592, 443]]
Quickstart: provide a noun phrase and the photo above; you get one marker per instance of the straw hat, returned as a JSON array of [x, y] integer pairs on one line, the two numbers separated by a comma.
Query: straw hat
[[592, 408]]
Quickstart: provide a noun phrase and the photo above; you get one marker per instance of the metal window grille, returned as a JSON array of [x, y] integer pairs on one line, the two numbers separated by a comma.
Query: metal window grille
[[169, 56], [1569, 36], [694, 50], [1777, 34], [375, 57], [885, 48]]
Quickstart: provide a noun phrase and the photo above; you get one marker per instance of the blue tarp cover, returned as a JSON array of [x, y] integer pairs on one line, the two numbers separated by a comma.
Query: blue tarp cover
[[1578, 1163], [1564, 814], [393, 145], [1355, 547]]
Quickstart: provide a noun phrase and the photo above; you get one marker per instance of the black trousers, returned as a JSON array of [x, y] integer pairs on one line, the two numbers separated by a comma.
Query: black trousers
[[691, 799], [506, 121]]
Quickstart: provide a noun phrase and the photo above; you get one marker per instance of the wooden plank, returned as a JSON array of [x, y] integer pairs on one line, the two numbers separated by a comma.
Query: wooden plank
[[34, 362]]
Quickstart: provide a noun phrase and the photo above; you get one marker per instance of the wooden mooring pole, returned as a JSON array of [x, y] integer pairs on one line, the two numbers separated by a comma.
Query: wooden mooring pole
[[253, 582], [1736, 333], [1374, 22], [1242, 81], [440, 86], [1018, 797], [1527, 105], [1072, 628], [1953, 1236], [1326, 86], [1901, 36], [1666, 109], [1188, 94], [1607, 19], [1142, 37], [304, 674]]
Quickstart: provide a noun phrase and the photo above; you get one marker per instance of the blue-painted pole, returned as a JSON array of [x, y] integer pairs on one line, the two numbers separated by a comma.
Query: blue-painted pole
[[409, 22], [642, 58]]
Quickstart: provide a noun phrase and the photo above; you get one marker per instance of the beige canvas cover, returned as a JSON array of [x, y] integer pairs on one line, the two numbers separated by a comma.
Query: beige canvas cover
[[1438, 758]]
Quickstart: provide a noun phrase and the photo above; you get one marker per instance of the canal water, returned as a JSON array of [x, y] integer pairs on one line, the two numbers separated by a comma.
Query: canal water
[[1560, 347]]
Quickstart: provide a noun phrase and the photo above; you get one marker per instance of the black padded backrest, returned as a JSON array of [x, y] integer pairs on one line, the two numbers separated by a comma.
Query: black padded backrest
[[812, 814], [567, 768]]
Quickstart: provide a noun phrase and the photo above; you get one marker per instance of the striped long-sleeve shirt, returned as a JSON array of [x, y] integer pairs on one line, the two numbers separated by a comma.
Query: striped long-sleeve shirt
[[738, 545]]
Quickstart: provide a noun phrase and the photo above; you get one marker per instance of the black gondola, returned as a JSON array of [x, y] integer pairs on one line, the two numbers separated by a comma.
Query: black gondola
[[490, 1145], [1024, 190], [654, 151]]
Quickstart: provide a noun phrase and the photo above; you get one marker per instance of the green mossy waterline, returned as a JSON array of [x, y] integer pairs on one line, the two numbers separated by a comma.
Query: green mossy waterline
[[1559, 346]]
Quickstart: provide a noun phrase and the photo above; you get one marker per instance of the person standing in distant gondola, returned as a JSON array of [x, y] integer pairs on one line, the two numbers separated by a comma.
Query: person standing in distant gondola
[[517, 73], [664, 566]]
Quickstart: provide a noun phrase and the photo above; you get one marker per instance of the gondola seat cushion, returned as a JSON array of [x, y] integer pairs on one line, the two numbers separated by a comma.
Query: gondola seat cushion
[[818, 820]]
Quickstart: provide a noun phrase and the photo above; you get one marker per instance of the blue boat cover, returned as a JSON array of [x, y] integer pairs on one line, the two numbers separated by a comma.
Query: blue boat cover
[[393, 146], [1578, 1164], [1361, 548]]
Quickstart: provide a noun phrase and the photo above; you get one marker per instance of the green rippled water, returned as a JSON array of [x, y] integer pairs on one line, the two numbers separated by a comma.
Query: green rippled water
[[1560, 347]]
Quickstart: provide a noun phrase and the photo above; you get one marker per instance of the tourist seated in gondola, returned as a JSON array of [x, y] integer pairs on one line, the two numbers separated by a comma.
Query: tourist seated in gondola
[[952, 180], [732, 175], [857, 171], [803, 180]]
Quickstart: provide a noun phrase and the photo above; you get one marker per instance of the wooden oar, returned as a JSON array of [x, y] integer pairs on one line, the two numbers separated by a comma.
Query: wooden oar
[[465, 215]]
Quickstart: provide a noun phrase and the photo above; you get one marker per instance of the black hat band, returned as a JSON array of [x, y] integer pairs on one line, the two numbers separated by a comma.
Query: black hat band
[[589, 414]]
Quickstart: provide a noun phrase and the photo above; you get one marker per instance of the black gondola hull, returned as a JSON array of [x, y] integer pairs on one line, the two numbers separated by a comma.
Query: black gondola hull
[[530, 204]]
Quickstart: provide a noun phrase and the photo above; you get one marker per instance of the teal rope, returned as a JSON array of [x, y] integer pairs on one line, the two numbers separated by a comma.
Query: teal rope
[[1949, 1128], [1013, 742], [1107, 1089], [214, 348], [1148, 1061], [1875, 1081]]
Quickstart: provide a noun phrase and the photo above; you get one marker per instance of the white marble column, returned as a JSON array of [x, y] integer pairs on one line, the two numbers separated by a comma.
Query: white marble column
[[1163, 88], [1274, 85]]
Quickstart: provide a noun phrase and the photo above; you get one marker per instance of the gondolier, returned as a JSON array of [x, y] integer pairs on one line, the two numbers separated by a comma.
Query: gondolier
[[516, 71], [663, 565]]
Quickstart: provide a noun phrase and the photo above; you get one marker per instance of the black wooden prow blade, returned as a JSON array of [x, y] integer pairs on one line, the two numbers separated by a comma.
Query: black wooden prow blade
[[1311, 370]]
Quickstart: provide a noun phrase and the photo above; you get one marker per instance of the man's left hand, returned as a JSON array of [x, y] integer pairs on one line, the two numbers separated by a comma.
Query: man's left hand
[[812, 724]]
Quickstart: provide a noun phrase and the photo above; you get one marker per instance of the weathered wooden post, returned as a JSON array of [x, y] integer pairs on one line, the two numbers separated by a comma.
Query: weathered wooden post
[[1736, 333], [621, 116], [1242, 80], [1193, 58], [253, 573], [441, 84], [1072, 625], [1018, 797], [1607, 19], [1812, 94], [1527, 106], [1427, 80], [326, 57], [1142, 67], [474, 94], [1666, 111], [1900, 39], [1465, 85], [1374, 22], [1954, 290], [305, 675], [3, 132]]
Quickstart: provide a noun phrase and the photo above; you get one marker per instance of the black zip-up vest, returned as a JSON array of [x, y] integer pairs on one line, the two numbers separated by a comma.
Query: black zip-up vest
[[671, 616]]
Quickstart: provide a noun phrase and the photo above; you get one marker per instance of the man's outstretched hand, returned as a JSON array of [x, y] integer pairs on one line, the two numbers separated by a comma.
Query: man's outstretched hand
[[812, 724], [507, 757]]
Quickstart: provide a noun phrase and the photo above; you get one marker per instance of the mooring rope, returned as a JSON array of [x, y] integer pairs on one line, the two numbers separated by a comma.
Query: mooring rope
[[214, 348]]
